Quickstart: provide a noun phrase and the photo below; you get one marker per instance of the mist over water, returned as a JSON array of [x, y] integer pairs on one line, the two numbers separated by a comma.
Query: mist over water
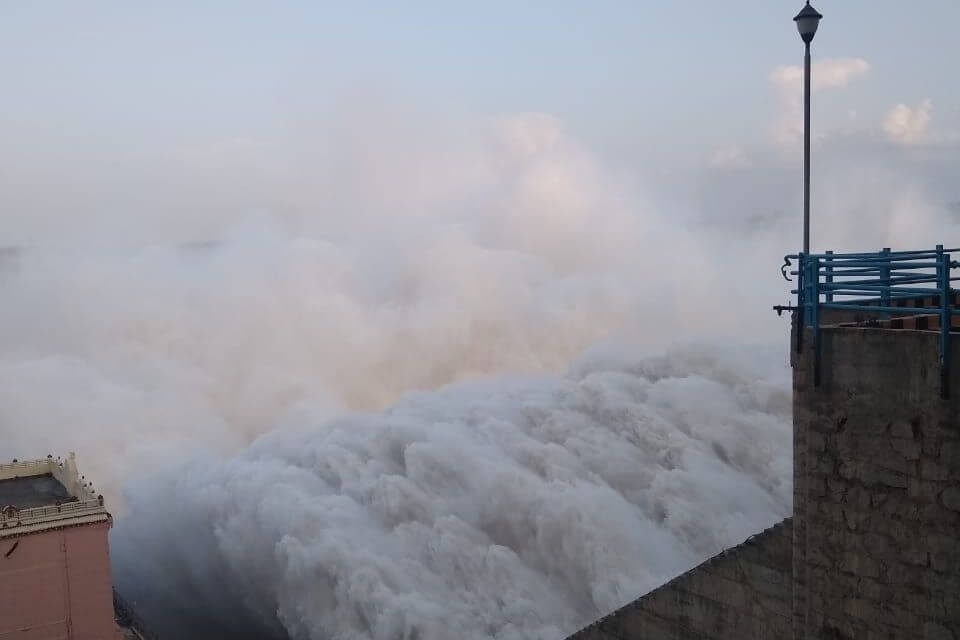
[[507, 508], [472, 386]]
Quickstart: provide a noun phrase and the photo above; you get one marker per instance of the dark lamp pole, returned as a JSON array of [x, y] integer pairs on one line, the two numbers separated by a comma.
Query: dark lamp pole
[[807, 21]]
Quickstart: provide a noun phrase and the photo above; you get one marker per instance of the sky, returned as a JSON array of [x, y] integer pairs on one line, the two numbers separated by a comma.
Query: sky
[[169, 96], [388, 304], [615, 69]]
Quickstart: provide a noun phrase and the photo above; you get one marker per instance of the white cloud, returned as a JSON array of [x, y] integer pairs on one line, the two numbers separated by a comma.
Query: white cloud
[[908, 125], [826, 74], [731, 157], [787, 80]]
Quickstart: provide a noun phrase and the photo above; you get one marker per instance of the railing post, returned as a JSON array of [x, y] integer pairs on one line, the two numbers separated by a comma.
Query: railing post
[[829, 278], [814, 280], [801, 294], [809, 287], [885, 278], [939, 258], [946, 319]]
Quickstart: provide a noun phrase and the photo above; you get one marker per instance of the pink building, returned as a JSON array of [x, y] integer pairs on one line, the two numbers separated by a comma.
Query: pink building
[[55, 580]]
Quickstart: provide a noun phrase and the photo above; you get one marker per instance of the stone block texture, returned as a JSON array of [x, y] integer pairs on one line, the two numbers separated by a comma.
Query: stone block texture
[[876, 488], [740, 594]]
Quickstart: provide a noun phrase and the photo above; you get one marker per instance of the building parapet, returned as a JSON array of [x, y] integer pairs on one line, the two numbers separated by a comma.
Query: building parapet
[[65, 471], [84, 506], [13, 517], [17, 469]]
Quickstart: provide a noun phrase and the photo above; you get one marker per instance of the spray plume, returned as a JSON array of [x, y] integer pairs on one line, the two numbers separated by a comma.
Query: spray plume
[[309, 417]]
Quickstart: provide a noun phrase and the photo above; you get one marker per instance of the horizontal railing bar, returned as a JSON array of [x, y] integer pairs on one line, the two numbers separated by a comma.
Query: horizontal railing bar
[[883, 268], [879, 288], [892, 264], [896, 293], [862, 298], [877, 259], [874, 258], [894, 282], [880, 282], [877, 275], [919, 311], [846, 273], [877, 254]]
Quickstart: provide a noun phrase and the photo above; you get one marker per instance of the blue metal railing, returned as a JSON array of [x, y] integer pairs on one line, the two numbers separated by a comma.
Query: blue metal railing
[[875, 283]]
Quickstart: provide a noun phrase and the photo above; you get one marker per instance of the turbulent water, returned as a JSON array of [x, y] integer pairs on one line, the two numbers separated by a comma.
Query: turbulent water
[[509, 508]]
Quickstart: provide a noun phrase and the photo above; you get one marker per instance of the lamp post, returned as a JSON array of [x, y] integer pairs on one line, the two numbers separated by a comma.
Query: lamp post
[[807, 21]]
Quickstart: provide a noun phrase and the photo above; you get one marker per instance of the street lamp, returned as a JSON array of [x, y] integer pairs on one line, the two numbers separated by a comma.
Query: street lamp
[[807, 21]]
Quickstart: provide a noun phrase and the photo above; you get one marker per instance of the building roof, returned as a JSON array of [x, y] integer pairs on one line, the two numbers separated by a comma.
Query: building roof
[[32, 491], [37, 495]]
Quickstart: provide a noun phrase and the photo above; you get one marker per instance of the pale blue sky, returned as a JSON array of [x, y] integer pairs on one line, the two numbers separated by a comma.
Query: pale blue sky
[[685, 71], [106, 104]]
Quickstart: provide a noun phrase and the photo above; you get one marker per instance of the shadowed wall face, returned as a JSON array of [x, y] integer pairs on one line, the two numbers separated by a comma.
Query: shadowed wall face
[[57, 584], [876, 497], [742, 594]]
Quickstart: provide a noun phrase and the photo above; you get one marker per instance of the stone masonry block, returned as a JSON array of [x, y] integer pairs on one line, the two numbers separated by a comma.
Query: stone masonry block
[[922, 490], [933, 470], [924, 604], [936, 631], [877, 544], [909, 449], [876, 589], [859, 497], [860, 564], [902, 429], [874, 474], [951, 498], [931, 446], [950, 457], [866, 426], [862, 609], [817, 441], [945, 562]]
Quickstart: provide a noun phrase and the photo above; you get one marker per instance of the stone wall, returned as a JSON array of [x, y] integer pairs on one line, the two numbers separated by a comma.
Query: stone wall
[[876, 488], [741, 594]]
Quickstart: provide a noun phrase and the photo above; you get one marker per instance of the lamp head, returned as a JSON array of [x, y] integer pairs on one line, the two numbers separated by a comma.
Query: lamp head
[[807, 22]]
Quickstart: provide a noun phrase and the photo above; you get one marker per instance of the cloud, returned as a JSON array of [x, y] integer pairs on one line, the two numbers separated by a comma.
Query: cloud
[[787, 81], [825, 74], [731, 157], [908, 125]]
